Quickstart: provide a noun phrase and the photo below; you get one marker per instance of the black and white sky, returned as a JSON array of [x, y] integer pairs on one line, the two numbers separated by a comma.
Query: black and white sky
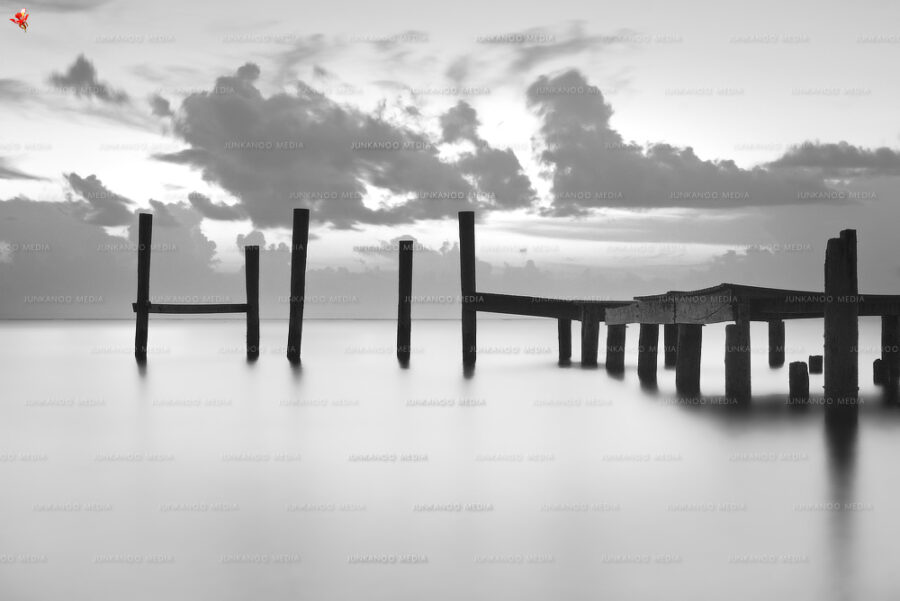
[[609, 149]]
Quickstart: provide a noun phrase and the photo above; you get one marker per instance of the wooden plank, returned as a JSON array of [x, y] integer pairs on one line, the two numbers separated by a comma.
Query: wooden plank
[[527, 305], [187, 309]]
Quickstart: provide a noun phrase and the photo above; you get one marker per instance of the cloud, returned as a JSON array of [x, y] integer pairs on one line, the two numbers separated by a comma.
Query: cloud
[[211, 210], [64, 6], [593, 166], [101, 206], [81, 79], [160, 106], [548, 46], [162, 215], [840, 160], [276, 153], [8, 172]]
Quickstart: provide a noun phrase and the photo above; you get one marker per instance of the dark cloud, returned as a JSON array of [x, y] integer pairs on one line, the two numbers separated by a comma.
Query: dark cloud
[[840, 160], [64, 6], [549, 46], [160, 106], [212, 210], [593, 166], [162, 215], [81, 79], [284, 151], [101, 206], [8, 172], [14, 90], [460, 123]]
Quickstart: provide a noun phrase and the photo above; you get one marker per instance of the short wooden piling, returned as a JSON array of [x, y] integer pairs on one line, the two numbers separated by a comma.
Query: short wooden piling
[[564, 328], [737, 361], [687, 365], [890, 347], [467, 285], [142, 315], [878, 372], [615, 348], [670, 344], [590, 336], [404, 300], [799, 383], [776, 343], [815, 364], [251, 272], [841, 329], [648, 349], [299, 241]]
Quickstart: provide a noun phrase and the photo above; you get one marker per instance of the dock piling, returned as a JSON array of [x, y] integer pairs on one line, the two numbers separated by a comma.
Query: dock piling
[[648, 350], [564, 328], [404, 300], [841, 329], [142, 315], [776, 343], [615, 348], [737, 361], [299, 241], [799, 383], [467, 285], [670, 344], [815, 364], [251, 272], [687, 365], [590, 336], [890, 347]]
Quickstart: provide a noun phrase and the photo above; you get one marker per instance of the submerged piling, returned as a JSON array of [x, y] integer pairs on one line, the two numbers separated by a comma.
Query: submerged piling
[[467, 285], [799, 383], [615, 348], [299, 241], [670, 344], [251, 273], [815, 364], [590, 336], [142, 315], [687, 365], [841, 329], [564, 329], [404, 300], [737, 361], [648, 349]]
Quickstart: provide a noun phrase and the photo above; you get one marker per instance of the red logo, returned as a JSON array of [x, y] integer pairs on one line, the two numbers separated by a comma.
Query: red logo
[[21, 19]]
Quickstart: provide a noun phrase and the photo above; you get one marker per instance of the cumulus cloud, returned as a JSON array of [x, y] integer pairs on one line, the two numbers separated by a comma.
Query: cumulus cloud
[[212, 210], [100, 205], [81, 79], [160, 106], [593, 166], [840, 160]]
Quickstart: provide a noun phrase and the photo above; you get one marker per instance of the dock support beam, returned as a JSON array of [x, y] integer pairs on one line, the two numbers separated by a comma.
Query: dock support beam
[[670, 344], [648, 349], [145, 235], [615, 348], [404, 300], [737, 361], [251, 272], [299, 241], [799, 383], [467, 285], [590, 336], [687, 365], [776, 343], [890, 348], [564, 327], [841, 329]]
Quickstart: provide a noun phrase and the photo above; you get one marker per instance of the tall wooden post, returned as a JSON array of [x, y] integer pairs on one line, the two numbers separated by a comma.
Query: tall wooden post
[[615, 348], [251, 272], [890, 348], [687, 365], [467, 285], [737, 361], [648, 349], [670, 344], [590, 335], [299, 241], [776, 343], [404, 300], [841, 329], [145, 235], [564, 328]]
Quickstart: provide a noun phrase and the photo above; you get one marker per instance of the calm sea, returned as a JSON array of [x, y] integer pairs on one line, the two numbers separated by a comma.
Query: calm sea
[[201, 476]]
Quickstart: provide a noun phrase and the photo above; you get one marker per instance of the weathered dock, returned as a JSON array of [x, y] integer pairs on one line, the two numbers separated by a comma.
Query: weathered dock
[[683, 314]]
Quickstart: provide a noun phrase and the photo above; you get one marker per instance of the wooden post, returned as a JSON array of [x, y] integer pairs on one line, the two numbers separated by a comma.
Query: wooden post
[[815, 364], [590, 336], [467, 285], [299, 241], [687, 365], [615, 348], [404, 300], [799, 383], [648, 349], [670, 344], [776, 343], [890, 347], [737, 361], [879, 375], [251, 272], [564, 327], [841, 329], [145, 236]]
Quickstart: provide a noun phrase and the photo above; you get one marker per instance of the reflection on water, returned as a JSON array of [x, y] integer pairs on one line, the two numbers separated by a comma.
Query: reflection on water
[[200, 476]]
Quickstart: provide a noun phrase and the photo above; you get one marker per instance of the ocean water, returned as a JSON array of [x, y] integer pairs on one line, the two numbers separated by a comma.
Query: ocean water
[[202, 476]]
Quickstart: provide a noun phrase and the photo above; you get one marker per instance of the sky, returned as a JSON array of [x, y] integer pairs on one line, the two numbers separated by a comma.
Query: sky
[[609, 150]]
